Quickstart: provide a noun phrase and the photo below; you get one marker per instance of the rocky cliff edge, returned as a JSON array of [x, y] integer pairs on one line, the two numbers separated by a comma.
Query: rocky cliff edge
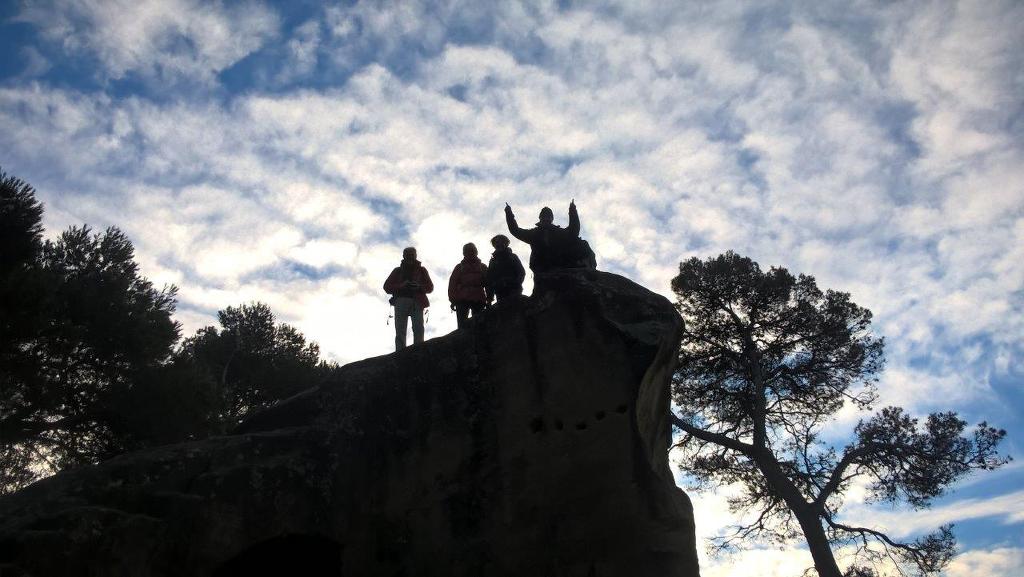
[[532, 443]]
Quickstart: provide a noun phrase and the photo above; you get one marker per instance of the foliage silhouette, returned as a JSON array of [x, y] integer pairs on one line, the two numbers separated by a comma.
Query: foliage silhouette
[[22, 301], [88, 366], [80, 327], [252, 362], [767, 359]]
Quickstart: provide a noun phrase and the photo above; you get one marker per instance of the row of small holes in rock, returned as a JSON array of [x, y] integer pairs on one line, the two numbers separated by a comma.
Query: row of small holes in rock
[[537, 424]]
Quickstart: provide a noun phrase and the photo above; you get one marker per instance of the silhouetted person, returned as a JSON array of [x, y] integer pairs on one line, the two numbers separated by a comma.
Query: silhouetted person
[[409, 284], [551, 246], [505, 272], [466, 285]]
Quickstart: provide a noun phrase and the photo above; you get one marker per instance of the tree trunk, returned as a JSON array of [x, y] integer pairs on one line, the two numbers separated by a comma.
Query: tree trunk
[[817, 542]]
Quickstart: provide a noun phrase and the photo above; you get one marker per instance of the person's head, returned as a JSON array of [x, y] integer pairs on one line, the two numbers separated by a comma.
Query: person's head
[[546, 216], [409, 253], [499, 242], [469, 249]]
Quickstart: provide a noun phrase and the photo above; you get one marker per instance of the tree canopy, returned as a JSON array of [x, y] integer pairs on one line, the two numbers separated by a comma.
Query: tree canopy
[[253, 361], [767, 360], [88, 360], [80, 325]]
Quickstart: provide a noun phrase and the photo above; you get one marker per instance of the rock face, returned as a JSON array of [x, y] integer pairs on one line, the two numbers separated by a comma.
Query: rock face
[[532, 443]]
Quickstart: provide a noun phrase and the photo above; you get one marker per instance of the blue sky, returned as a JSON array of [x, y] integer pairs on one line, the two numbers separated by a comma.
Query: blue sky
[[286, 152]]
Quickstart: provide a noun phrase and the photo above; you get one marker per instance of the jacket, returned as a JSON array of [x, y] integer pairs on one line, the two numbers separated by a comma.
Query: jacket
[[410, 272], [466, 285], [551, 245], [505, 272]]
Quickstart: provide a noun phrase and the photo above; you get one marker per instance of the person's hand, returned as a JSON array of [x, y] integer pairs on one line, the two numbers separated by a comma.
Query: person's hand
[[453, 307], [508, 209], [572, 203]]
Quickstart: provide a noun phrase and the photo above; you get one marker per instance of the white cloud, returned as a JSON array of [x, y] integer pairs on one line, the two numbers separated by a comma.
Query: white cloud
[[1007, 508], [714, 519], [35, 63], [781, 562], [317, 253], [166, 39], [303, 52], [959, 63], [998, 562], [624, 104]]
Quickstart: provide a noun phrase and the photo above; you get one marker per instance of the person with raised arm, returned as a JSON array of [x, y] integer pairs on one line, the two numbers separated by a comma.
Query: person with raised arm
[[551, 246]]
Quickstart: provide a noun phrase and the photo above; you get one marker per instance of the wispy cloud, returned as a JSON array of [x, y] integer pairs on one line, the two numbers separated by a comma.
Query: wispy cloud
[[288, 157], [1007, 509], [997, 561], [163, 40]]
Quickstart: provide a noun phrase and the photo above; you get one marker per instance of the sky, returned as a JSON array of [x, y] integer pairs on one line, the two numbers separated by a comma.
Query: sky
[[286, 152]]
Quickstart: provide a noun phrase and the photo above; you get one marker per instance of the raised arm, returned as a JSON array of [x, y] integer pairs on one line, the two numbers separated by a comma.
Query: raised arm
[[574, 219], [513, 228]]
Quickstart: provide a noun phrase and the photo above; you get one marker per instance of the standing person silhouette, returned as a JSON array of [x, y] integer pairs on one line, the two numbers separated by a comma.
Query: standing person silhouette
[[408, 286], [466, 286], [505, 272]]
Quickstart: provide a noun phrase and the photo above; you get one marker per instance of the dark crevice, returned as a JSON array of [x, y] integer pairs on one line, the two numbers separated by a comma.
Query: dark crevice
[[537, 425]]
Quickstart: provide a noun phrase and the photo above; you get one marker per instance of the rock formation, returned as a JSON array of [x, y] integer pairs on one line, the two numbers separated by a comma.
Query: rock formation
[[532, 443]]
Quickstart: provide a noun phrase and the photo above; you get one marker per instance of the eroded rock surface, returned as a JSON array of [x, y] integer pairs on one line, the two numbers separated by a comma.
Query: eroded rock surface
[[533, 443]]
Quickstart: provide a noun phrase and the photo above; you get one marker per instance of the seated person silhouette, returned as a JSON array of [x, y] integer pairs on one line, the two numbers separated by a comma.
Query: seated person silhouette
[[551, 246]]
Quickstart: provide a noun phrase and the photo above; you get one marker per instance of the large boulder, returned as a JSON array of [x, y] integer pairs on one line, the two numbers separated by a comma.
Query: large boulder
[[532, 443]]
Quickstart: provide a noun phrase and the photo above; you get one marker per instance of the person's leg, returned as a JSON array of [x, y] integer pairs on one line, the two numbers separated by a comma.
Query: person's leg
[[417, 323], [461, 314], [403, 308]]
